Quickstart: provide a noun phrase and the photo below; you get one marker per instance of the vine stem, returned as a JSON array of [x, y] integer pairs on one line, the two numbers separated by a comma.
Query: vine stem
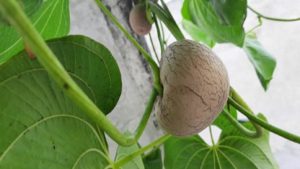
[[258, 130], [165, 16], [256, 26], [15, 15], [153, 47], [142, 125], [262, 123], [240, 127], [272, 18], [211, 136], [158, 32], [133, 155], [146, 55]]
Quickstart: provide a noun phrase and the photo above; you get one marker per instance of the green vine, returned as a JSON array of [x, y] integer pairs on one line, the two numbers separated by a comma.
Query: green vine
[[272, 18], [252, 117], [254, 134]]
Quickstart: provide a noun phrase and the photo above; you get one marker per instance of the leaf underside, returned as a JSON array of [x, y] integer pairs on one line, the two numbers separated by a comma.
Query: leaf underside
[[262, 61], [40, 126], [50, 18], [233, 151]]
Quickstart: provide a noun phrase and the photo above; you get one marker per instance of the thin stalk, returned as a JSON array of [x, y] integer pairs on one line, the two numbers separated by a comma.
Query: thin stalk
[[272, 18], [239, 99], [262, 123], [158, 32], [240, 127], [142, 125], [167, 19], [256, 26], [236, 96], [163, 33], [139, 152], [153, 47], [148, 58], [164, 5], [211, 136], [15, 15]]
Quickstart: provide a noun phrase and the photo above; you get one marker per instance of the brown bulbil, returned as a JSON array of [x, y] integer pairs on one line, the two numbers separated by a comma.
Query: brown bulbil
[[196, 87], [138, 20]]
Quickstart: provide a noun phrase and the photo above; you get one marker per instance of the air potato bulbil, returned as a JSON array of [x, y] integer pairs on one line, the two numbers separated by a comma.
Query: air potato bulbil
[[196, 87], [138, 20]]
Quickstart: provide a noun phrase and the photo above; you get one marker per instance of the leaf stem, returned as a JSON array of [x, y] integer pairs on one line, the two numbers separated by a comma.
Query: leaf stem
[[239, 99], [148, 58], [133, 155], [158, 32], [153, 47], [15, 15], [165, 16], [142, 125], [163, 33], [256, 26], [272, 18], [211, 136], [252, 117], [240, 127]]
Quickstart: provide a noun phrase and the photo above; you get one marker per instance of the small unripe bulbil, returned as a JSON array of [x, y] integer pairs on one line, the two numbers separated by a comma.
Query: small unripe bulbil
[[138, 20], [196, 88]]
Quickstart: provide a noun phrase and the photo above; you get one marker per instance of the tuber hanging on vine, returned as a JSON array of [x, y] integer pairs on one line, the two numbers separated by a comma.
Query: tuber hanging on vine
[[196, 88], [138, 20]]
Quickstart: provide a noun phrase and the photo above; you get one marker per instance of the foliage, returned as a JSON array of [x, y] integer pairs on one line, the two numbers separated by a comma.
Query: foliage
[[38, 121], [262, 61], [233, 150], [222, 21], [45, 125]]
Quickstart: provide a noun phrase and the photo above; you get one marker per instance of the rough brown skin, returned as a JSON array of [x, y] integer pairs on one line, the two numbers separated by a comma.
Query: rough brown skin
[[196, 87], [138, 20]]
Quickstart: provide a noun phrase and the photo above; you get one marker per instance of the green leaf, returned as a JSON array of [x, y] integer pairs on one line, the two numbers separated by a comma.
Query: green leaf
[[196, 33], [228, 16], [193, 30], [40, 126], [136, 163], [221, 21], [262, 61], [153, 160], [233, 151], [51, 18]]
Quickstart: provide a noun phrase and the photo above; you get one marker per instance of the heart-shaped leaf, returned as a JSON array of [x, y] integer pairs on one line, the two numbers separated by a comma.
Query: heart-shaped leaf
[[51, 18], [221, 21], [262, 60], [40, 127], [233, 151]]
